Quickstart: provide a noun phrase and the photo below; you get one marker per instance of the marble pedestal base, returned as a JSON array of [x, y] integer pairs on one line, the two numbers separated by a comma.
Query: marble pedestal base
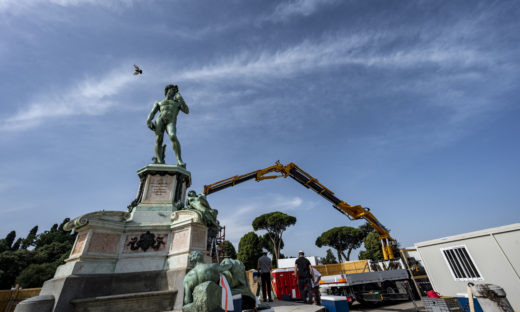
[[144, 251]]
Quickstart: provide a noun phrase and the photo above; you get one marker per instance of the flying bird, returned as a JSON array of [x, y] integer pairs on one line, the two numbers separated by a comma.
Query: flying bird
[[137, 70]]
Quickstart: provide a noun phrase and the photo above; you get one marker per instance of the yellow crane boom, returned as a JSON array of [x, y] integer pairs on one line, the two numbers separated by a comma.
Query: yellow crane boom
[[305, 179]]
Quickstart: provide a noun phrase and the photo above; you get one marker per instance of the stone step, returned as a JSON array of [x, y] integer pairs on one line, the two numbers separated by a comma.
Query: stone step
[[151, 301]]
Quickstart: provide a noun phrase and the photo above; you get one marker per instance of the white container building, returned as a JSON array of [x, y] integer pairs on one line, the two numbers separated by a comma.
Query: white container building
[[485, 256]]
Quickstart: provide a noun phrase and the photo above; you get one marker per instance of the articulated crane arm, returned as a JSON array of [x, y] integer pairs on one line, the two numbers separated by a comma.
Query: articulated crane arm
[[305, 179]]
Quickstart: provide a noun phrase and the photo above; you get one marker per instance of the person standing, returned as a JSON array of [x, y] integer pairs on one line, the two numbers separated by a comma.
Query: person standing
[[264, 267], [303, 272], [316, 285]]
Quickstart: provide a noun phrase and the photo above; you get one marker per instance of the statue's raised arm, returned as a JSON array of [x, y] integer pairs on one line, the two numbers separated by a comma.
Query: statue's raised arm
[[166, 120], [184, 108]]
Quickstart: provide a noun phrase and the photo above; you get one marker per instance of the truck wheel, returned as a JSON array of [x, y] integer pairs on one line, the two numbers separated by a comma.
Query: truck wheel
[[369, 304]]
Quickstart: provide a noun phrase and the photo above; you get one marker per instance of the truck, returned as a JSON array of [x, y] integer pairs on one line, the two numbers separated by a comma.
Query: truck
[[366, 281], [380, 281]]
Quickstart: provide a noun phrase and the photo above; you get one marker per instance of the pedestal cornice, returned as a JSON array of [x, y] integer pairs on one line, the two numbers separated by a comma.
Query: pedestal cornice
[[163, 169]]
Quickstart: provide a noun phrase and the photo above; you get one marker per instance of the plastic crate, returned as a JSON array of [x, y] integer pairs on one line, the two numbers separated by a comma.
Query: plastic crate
[[441, 304]]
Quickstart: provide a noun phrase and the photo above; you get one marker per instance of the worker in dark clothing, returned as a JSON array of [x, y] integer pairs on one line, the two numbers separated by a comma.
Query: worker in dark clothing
[[264, 267], [303, 272], [316, 285]]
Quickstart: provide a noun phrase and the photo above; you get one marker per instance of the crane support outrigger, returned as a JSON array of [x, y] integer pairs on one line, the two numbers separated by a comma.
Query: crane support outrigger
[[292, 170]]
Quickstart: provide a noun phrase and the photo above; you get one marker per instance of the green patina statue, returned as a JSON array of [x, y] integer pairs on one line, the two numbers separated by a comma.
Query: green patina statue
[[201, 272], [200, 204], [167, 121], [236, 277], [197, 291]]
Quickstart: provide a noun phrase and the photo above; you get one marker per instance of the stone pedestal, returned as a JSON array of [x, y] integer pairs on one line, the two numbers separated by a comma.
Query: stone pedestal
[[161, 191], [143, 251], [189, 234]]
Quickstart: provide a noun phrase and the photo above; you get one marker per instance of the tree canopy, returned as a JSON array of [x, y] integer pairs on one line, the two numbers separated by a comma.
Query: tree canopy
[[229, 250], [19, 264], [249, 250], [343, 239], [366, 228], [373, 248], [329, 258], [275, 223]]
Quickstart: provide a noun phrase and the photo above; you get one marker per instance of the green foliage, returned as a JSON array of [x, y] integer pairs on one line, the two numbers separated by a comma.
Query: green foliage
[[55, 234], [17, 244], [249, 250], [7, 242], [31, 268], [275, 223], [229, 250], [267, 244], [35, 274], [9, 239], [367, 228], [51, 252], [343, 238], [373, 248], [3, 246], [29, 240], [12, 263], [329, 258]]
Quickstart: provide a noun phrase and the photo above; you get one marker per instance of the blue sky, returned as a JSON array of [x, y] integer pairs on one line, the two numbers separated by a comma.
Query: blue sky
[[407, 107]]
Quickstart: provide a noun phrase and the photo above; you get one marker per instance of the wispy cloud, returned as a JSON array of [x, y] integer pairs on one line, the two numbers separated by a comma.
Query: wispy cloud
[[238, 221], [14, 209], [91, 96], [333, 51], [252, 70], [288, 9], [6, 185], [452, 63], [19, 7]]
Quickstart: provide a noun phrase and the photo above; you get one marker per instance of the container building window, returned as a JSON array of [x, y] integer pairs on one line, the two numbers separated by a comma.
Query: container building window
[[461, 264]]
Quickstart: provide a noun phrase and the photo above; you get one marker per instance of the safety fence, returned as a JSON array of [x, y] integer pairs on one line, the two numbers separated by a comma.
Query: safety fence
[[351, 267], [11, 297]]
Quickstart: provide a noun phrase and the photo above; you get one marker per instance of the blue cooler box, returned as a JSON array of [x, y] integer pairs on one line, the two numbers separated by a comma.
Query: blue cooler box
[[335, 303], [464, 303], [237, 303]]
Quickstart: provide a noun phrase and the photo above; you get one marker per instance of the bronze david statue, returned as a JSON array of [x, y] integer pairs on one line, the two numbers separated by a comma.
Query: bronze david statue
[[167, 121]]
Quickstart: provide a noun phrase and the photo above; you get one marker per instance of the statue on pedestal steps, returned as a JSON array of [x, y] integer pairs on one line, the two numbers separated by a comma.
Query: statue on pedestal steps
[[167, 121], [200, 204]]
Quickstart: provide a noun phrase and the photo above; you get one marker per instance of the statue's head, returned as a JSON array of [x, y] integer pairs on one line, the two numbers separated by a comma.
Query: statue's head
[[192, 193], [172, 87], [196, 257]]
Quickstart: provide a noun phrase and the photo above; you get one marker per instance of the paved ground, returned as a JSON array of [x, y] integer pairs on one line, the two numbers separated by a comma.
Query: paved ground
[[399, 307], [289, 306]]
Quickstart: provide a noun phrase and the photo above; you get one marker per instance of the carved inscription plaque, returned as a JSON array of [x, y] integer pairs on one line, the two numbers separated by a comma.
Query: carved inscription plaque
[[181, 241], [80, 243], [198, 238], [104, 242], [159, 189]]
